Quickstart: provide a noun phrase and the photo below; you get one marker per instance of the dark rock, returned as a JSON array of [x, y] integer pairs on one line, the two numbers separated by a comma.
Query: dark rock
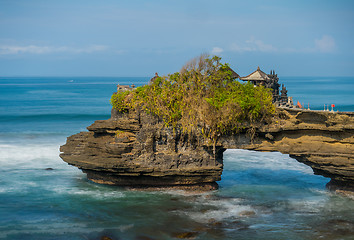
[[239, 225], [269, 136], [48, 169], [247, 213], [105, 238], [212, 222], [336, 229], [143, 238], [312, 117], [186, 235]]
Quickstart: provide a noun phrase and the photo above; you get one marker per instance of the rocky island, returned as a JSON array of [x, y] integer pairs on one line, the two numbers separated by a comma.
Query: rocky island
[[166, 145]]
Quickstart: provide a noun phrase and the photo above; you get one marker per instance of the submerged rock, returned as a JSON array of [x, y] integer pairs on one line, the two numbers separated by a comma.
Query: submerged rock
[[336, 229], [143, 238], [247, 213], [186, 235], [105, 238], [136, 150]]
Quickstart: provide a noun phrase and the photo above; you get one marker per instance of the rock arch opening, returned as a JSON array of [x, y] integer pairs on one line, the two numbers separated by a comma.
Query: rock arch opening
[[268, 169]]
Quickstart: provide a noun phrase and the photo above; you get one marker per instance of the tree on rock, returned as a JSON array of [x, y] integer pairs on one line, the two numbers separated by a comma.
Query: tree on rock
[[203, 96]]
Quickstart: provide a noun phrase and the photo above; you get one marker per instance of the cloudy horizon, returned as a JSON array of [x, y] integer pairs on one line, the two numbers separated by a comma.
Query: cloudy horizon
[[139, 38]]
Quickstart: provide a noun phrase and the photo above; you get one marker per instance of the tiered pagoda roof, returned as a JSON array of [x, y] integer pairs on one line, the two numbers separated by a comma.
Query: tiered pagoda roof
[[257, 75]]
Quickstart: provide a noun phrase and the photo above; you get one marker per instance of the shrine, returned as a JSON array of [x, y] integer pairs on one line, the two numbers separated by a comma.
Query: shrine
[[260, 78]]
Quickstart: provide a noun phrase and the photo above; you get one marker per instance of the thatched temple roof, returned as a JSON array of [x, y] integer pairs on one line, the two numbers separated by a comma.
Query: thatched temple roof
[[234, 75], [257, 75]]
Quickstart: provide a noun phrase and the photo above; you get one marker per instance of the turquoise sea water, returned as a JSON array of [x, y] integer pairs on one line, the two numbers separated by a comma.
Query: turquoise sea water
[[261, 195]]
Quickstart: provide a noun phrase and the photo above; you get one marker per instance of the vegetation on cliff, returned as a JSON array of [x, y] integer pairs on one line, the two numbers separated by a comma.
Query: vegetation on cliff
[[203, 96]]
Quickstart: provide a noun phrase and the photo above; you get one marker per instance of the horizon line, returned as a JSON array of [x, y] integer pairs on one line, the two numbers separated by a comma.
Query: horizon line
[[111, 76]]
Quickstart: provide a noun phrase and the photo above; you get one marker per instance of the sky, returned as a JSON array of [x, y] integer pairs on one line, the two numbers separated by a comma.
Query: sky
[[136, 38]]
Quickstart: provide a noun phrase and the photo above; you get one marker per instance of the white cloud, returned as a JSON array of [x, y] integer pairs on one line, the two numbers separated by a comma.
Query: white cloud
[[34, 49], [217, 50], [253, 45], [24, 49], [237, 48], [90, 49], [261, 46], [326, 44]]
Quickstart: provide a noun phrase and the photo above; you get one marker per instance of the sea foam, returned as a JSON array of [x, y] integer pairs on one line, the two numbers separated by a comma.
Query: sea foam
[[239, 158], [30, 156]]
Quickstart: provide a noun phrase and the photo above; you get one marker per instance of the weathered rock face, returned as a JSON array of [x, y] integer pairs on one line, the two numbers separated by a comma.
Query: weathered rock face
[[135, 149]]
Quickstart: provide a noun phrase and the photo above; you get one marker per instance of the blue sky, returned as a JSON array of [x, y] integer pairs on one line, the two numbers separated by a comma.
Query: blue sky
[[139, 38]]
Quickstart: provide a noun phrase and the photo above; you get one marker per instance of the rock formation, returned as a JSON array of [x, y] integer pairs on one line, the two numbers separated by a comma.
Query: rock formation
[[137, 150], [322, 140]]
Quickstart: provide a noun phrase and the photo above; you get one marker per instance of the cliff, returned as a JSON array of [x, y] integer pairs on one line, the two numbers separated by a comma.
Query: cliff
[[137, 150]]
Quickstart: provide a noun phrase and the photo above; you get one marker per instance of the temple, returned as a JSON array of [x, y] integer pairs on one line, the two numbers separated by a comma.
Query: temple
[[260, 78], [125, 87]]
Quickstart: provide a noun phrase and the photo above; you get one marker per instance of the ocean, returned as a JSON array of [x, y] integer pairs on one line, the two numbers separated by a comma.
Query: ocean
[[261, 195]]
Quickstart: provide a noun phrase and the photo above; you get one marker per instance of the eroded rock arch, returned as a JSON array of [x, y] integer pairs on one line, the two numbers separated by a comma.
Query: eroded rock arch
[[135, 149]]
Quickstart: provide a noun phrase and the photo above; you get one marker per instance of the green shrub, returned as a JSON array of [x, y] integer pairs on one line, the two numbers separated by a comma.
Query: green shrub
[[201, 97], [119, 101]]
